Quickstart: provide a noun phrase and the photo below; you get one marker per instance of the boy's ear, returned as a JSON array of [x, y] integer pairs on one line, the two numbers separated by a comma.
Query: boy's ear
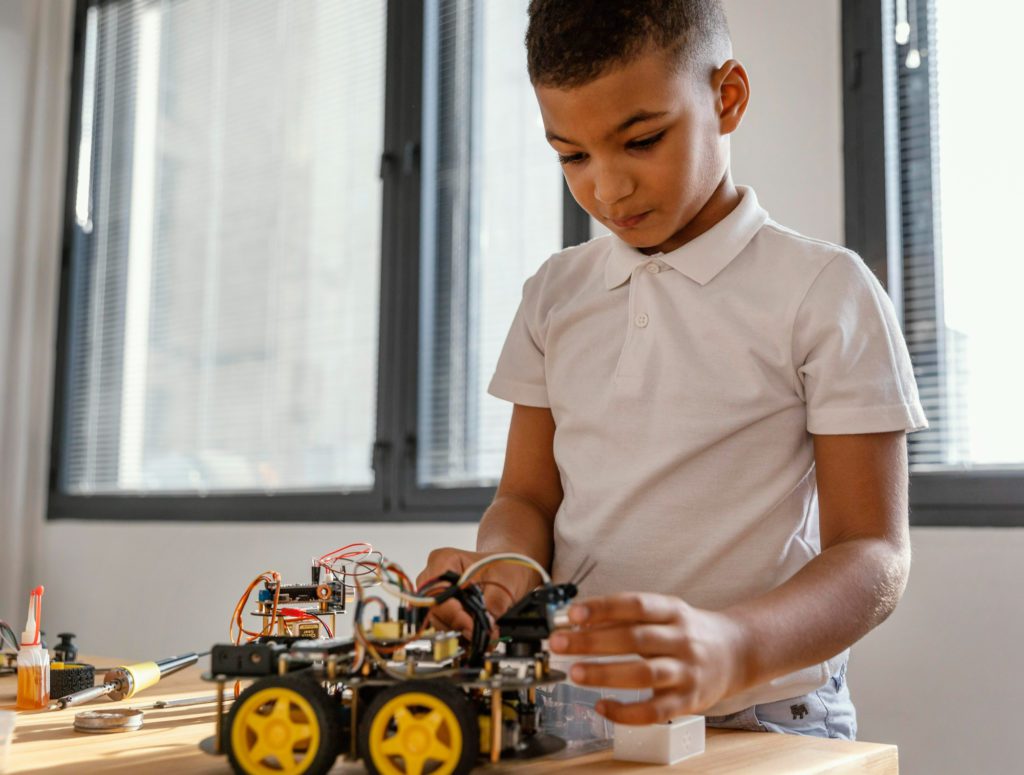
[[732, 89]]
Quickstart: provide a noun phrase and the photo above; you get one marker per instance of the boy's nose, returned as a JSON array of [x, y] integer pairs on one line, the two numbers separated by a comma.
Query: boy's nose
[[611, 186]]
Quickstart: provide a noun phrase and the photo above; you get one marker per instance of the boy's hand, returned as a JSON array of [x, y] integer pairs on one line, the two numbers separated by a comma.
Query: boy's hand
[[691, 657], [503, 583]]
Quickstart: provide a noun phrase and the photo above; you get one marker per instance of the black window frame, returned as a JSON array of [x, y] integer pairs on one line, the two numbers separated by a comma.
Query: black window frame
[[395, 495], [874, 224]]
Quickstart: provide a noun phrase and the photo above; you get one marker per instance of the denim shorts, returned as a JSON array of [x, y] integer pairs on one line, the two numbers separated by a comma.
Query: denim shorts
[[826, 712]]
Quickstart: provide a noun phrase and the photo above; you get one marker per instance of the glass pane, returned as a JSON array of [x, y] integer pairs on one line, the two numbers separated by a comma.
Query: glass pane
[[492, 213], [982, 261], [225, 288], [963, 269]]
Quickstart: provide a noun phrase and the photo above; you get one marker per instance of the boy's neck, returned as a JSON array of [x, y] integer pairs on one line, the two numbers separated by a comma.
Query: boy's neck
[[723, 200]]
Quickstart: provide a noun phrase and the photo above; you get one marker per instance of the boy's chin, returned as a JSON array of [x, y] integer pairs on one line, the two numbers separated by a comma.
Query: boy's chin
[[639, 239]]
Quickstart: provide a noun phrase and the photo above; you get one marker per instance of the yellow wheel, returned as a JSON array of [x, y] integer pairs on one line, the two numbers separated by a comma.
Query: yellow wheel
[[283, 725], [420, 728]]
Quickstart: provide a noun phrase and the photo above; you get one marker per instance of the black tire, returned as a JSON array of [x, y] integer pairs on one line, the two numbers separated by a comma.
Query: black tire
[[295, 688], [453, 698]]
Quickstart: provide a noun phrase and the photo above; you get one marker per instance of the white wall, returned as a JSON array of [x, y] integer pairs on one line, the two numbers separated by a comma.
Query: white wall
[[939, 678], [13, 79], [790, 145], [150, 589], [14, 66]]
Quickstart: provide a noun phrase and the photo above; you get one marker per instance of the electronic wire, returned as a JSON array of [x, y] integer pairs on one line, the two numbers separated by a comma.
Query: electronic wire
[[512, 557], [369, 649], [426, 601], [473, 603], [272, 577], [354, 560]]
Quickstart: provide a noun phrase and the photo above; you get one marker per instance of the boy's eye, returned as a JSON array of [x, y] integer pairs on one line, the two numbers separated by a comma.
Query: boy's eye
[[647, 142], [633, 145]]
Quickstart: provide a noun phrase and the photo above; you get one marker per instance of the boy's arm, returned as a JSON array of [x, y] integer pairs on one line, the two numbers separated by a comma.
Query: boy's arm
[[694, 657], [859, 577], [520, 519], [522, 515]]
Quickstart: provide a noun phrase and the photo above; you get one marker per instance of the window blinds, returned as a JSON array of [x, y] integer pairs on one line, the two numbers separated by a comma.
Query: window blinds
[[492, 213]]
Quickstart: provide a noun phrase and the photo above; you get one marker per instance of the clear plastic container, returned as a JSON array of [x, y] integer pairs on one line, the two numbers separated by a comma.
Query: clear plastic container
[[7, 718], [567, 710]]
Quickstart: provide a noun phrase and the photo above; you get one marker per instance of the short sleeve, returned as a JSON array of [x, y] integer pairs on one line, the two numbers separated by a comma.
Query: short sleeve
[[851, 360], [519, 373]]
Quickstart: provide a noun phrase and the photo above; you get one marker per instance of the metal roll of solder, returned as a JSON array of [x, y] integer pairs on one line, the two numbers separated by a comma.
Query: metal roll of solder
[[106, 721]]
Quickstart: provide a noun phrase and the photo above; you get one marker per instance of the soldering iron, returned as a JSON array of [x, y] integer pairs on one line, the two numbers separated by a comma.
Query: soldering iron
[[121, 683]]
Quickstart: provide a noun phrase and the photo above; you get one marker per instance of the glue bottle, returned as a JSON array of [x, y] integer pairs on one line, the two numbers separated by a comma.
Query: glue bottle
[[33, 660]]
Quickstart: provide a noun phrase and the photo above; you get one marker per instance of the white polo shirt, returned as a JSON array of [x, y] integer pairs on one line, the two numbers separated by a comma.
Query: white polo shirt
[[685, 387]]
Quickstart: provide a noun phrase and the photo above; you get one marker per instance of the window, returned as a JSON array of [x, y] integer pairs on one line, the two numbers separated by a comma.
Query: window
[[226, 329], [295, 236], [931, 203]]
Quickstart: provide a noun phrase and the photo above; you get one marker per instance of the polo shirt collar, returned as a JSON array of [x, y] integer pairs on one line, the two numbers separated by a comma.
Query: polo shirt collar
[[699, 259]]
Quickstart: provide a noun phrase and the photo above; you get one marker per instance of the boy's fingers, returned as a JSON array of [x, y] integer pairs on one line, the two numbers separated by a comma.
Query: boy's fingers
[[627, 607], [657, 673], [450, 615], [659, 709], [647, 640], [439, 561], [497, 601]]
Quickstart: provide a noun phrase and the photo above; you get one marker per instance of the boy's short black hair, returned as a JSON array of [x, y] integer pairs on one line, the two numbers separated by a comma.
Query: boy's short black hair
[[572, 42]]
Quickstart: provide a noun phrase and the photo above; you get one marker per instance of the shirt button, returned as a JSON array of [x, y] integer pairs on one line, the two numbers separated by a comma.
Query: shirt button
[[653, 268], [641, 320]]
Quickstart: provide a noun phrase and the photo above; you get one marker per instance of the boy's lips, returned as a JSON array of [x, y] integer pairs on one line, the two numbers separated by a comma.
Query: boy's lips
[[631, 221]]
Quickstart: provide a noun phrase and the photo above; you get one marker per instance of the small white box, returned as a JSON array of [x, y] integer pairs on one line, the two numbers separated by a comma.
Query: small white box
[[666, 743]]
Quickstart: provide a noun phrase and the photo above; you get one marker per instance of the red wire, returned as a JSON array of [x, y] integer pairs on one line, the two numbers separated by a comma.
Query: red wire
[[335, 554], [305, 616], [375, 599], [327, 560], [392, 567]]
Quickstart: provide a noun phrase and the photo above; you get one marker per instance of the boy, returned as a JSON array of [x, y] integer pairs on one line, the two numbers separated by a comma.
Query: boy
[[711, 406]]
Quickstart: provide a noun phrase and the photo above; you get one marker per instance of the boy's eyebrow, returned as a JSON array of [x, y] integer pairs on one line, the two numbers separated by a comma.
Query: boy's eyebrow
[[637, 118]]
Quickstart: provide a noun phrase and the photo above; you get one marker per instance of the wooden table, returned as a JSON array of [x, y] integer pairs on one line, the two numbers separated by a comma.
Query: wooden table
[[44, 741]]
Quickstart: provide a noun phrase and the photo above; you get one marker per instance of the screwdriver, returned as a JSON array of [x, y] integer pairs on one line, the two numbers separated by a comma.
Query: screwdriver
[[126, 681]]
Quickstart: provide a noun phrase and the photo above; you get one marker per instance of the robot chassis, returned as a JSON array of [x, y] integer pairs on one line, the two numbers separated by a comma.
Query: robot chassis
[[432, 705]]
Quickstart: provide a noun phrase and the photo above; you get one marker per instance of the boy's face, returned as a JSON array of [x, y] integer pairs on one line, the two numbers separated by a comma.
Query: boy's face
[[644, 148]]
